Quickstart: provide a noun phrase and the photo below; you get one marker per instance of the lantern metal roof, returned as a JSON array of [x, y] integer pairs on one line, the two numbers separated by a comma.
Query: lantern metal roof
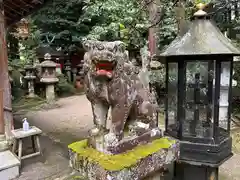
[[202, 38]]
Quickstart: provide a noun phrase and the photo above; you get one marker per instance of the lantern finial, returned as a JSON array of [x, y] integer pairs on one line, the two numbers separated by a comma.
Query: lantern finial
[[200, 11]]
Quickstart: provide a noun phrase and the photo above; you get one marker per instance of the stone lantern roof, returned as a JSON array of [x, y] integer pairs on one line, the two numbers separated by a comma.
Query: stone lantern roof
[[202, 38], [29, 67], [48, 64]]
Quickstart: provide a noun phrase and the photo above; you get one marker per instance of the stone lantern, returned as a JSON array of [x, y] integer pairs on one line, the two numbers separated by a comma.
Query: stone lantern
[[48, 77], [80, 69], [80, 75], [74, 71], [68, 69], [21, 78], [199, 67], [30, 77]]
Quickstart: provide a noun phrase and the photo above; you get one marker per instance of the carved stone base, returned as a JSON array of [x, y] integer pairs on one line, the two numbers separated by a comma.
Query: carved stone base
[[130, 143], [147, 161], [100, 142]]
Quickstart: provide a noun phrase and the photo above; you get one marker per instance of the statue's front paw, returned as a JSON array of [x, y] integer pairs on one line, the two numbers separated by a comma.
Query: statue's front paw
[[94, 132], [111, 139]]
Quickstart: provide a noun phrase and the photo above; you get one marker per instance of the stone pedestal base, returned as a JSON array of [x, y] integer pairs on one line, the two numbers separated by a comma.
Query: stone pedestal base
[[186, 171], [147, 161], [9, 166], [50, 92], [3, 143]]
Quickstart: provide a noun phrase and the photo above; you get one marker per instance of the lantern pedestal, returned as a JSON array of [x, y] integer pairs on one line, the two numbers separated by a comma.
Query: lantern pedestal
[[190, 171], [50, 92], [206, 153]]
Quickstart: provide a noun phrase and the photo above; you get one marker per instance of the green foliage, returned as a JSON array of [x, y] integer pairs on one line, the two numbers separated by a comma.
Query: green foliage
[[63, 87], [67, 23], [17, 91], [112, 16], [168, 26], [157, 77], [26, 47], [29, 45], [61, 23]]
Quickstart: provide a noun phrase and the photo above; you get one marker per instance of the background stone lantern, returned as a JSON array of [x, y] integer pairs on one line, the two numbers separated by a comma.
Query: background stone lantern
[[68, 69], [199, 67], [80, 75], [30, 77], [48, 77]]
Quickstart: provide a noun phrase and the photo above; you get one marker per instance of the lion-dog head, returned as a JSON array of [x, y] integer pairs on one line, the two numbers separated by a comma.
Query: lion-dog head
[[103, 58]]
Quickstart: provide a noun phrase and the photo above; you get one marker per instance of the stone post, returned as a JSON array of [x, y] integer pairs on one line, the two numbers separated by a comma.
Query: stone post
[[79, 76], [68, 69], [74, 71], [80, 70], [21, 78], [48, 77], [30, 76]]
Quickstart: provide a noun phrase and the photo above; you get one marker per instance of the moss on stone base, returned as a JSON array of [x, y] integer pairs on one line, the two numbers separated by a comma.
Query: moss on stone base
[[119, 161]]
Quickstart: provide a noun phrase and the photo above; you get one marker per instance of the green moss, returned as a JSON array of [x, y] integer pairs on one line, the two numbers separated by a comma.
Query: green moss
[[119, 161]]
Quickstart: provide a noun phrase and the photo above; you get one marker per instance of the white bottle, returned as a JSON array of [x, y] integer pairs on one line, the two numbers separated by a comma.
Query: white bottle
[[25, 125]]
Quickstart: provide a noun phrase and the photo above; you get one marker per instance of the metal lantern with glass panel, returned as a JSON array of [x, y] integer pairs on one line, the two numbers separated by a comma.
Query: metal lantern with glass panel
[[199, 68]]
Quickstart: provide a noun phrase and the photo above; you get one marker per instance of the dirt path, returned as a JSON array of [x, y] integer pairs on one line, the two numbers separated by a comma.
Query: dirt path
[[68, 122]]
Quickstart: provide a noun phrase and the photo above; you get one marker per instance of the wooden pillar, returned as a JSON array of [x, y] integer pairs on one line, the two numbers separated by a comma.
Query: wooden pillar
[[4, 78], [1, 113]]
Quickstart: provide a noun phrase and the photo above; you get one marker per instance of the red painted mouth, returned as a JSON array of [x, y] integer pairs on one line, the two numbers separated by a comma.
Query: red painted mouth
[[105, 69]]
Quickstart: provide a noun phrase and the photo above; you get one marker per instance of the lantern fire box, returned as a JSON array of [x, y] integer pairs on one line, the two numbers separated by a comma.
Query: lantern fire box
[[199, 67]]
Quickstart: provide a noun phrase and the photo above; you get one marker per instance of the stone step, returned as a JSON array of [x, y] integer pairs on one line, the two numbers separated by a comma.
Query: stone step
[[2, 137], [3, 145], [9, 166]]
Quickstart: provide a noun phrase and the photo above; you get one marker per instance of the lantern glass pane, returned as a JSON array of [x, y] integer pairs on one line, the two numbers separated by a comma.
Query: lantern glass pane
[[224, 91], [196, 123], [172, 96]]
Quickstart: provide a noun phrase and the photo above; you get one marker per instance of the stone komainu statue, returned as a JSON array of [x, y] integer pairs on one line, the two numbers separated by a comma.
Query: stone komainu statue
[[111, 81]]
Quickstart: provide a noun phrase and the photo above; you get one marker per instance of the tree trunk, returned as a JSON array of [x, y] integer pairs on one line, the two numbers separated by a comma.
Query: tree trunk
[[181, 21], [154, 16]]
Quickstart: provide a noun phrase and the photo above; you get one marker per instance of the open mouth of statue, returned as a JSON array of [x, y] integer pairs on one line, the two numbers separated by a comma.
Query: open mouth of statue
[[105, 69]]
